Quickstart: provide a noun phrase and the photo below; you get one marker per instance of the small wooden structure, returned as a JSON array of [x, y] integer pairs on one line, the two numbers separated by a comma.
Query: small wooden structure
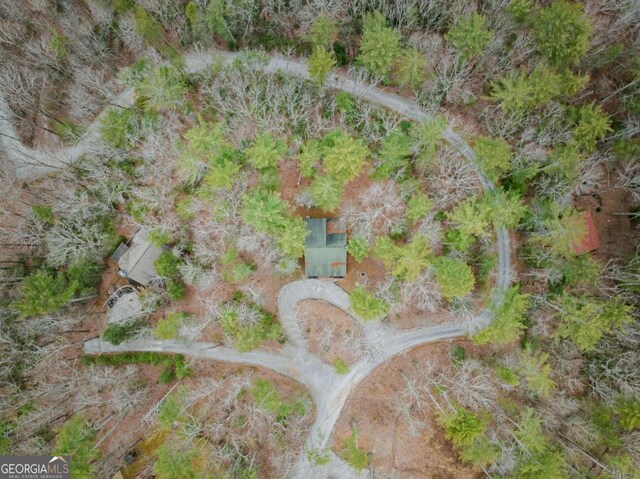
[[590, 241]]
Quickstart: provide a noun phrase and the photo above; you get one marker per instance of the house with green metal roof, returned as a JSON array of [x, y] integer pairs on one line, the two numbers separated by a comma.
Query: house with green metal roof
[[325, 253]]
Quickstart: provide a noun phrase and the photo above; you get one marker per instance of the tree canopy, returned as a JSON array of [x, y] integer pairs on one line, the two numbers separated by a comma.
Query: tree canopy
[[380, 44], [561, 32], [42, 292], [470, 35], [454, 276], [366, 305]]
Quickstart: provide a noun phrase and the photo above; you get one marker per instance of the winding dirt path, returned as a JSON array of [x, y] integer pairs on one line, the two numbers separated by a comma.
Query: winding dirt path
[[329, 390]]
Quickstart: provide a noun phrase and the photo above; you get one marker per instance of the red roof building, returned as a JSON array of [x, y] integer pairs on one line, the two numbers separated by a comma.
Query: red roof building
[[591, 240]]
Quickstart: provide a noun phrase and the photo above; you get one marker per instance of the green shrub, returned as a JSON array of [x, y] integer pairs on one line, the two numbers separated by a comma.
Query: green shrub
[[167, 375], [125, 358], [43, 213], [358, 248], [234, 270], [118, 127], [167, 265], [507, 375], [461, 426], [118, 333], [160, 237], [458, 353], [266, 396], [350, 452], [340, 365], [366, 305], [238, 321], [183, 370], [176, 290], [628, 410], [169, 327]]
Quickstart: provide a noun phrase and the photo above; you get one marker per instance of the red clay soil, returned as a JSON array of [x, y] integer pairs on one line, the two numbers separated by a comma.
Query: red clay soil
[[382, 432], [315, 316], [369, 270], [619, 237]]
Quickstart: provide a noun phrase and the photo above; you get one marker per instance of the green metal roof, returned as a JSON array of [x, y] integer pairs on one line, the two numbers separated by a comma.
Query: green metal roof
[[325, 249]]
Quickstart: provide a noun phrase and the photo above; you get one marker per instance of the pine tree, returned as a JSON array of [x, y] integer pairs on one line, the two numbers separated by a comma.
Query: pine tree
[[523, 91], [358, 248], [366, 305], [418, 206], [494, 156], [471, 218], [42, 293], [323, 32], [326, 192], [410, 69], [628, 410], [309, 157], [508, 321], [292, 236], [164, 87], [503, 208], [395, 151], [470, 35], [404, 262], [586, 320], [561, 32], [593, 125], [320, 64], [536, 372], [426, 136], [563, 230], [454, 276], [461, 426], [380, 45], [266, 151], [344, 157]]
